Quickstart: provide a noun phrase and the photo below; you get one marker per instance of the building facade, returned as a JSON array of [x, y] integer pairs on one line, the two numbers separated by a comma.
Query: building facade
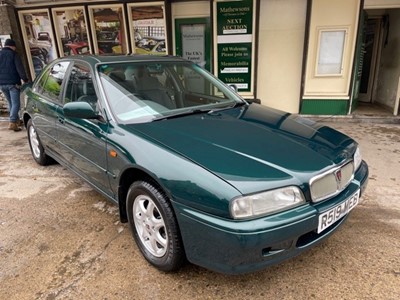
[[302, 56]]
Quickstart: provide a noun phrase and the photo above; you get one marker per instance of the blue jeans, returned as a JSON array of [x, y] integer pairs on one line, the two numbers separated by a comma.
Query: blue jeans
[[11, 92]]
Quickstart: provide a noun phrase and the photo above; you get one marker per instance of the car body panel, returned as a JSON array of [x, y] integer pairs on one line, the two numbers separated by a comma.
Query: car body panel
[[44, 115], [83, 144], [180, 178], [235, 247], [264, 156]]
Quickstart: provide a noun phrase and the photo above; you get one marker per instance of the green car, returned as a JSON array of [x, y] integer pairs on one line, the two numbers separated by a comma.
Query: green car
[[200, 174]]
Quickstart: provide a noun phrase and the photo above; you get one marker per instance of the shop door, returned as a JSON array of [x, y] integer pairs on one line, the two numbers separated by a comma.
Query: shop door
[[193, 40], [371, 56]]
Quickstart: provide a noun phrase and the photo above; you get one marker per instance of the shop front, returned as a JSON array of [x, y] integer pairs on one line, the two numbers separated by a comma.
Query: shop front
[[300, 56]]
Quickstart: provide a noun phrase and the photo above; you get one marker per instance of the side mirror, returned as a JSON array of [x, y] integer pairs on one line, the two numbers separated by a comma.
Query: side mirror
[[80, 109]]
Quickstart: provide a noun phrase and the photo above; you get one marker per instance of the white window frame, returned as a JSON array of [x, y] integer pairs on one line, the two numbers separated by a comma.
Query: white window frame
[[324, 51]]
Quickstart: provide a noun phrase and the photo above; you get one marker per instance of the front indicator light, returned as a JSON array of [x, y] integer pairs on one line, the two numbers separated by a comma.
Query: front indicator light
[[357, 158], [266, 202]]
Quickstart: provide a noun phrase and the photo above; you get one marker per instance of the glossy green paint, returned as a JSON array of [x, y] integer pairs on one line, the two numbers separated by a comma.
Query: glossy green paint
[[235, 247], [180, 178], [81, 110], [253, 148]]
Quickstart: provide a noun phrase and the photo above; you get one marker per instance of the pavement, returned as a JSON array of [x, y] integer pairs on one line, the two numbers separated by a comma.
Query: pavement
[[60, 239]]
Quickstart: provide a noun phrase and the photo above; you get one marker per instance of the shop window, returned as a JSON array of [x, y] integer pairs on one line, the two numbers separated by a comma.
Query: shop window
[[331, 46], [71, 31], [148, 22], [37, 31], [108, 29]]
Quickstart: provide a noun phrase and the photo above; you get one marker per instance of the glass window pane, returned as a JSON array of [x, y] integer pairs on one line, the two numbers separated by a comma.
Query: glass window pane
[[52, 87], [331, 47], [148, 24], [71, 31], [108, 27]]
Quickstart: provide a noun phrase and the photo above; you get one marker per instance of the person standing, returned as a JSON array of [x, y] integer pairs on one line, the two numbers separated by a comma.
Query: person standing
[[11, 73]]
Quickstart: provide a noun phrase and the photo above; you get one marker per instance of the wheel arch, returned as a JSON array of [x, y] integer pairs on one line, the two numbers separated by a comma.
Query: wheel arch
[[126, 179], [25, 118]]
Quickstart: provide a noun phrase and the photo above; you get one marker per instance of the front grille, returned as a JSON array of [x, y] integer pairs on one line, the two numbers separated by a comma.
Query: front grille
[[332, 182]]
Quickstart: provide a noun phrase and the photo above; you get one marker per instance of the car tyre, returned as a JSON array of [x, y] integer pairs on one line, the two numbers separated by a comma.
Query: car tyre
[[154, 226], [36, 146]]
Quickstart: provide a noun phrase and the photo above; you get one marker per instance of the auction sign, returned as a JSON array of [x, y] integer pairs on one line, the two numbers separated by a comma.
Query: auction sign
[[235, 43]]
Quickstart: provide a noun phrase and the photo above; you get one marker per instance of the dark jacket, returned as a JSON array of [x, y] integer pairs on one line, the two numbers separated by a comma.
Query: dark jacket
[[11, 68]]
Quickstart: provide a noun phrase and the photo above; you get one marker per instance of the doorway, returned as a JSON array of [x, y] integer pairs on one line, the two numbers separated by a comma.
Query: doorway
[[372, 47]]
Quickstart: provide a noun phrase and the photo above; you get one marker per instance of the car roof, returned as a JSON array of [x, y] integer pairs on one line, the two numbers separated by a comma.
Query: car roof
[[99, 59]]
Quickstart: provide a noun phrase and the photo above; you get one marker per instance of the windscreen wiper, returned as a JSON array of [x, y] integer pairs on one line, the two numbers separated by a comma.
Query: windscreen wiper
[[183, 113], [237, 104]]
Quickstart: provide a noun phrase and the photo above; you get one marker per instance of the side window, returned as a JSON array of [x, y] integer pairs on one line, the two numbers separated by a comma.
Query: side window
[[42, 81], [51, 82], [80, 86]]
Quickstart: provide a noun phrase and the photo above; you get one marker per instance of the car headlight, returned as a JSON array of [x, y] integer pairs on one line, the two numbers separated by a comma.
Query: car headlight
[[357, 159], [266, 202]]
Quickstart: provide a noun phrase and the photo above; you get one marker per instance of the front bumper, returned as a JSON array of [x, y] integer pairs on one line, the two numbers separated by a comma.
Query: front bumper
[[234, 247]]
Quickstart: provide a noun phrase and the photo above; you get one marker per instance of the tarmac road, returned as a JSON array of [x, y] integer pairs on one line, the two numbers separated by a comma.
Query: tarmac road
[[60, 239]]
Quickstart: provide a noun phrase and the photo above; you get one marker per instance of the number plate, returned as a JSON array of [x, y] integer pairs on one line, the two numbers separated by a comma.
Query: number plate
[[329, 217]]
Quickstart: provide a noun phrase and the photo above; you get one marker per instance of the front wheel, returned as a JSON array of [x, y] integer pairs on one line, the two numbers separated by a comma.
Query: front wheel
[[154, 227], [36, 146]]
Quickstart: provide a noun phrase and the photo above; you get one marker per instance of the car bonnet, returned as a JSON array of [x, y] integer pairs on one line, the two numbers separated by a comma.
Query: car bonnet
[[253, 147]]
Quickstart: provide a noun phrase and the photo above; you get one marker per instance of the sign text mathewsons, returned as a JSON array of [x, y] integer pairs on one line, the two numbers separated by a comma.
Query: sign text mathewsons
[[235, 43]]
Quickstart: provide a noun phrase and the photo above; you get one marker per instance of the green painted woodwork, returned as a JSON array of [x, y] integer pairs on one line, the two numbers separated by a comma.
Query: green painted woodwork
[[324, 107]]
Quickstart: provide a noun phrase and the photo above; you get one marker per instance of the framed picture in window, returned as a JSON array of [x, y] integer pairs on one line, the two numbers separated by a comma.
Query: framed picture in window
[[148, 30], [39, 39], [108, 29], [71, 31]]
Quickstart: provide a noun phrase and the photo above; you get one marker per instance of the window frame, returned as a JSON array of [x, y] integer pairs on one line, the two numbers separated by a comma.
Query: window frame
[[321, 31]]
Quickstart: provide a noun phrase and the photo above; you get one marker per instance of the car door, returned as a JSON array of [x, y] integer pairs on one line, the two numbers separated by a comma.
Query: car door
[[47, 100], [82, 142]]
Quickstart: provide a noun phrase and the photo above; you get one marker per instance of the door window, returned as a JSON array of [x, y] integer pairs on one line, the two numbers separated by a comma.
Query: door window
[[80, 86], [51, 82]]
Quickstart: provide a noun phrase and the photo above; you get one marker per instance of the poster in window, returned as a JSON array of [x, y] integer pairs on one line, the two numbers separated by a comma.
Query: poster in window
[[108, 29], [235, 43], [71, 30], [39, 39], [193, 43], [148, 34]]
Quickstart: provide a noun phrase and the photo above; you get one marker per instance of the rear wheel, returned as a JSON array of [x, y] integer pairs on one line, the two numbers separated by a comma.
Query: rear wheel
[[36, 146], [154, 226]]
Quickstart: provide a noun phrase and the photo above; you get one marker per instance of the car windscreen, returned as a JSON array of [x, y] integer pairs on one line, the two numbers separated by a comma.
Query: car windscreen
[[147, 91]]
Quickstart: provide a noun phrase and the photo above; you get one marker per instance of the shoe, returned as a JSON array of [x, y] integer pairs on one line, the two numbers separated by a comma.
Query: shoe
[[20, 123], [14, 126]]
